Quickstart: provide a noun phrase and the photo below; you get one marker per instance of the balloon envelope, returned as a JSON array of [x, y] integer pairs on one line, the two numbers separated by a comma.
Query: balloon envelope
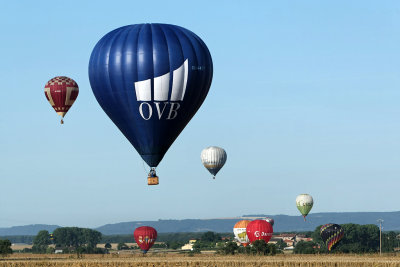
[[145, 236], [239, 230], [331, 234], [259, 230], [270, 220], [61, 92], [213, 158], [304, 203], [150, 79]]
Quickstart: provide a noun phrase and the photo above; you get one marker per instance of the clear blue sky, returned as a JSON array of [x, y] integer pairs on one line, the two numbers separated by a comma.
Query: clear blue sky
[[305, 99]]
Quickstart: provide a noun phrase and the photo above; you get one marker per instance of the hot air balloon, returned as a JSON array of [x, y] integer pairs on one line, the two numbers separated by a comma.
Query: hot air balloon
[[331, 234], [259, 230], [304, 203], [61, 92], [270, 220], [145, 236], [213, 158], [239, 230], [150, 79]]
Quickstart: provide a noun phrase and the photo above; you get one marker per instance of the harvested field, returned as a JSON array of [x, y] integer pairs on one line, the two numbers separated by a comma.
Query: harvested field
[[167, 260]]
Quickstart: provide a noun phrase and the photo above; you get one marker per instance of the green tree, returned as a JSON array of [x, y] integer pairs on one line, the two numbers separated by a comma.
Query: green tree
[[210, 237], [27, 250], [174, 244], [183, 238], [107, 246], [304, 247], [122, 246], [280, 244], [357, 239], [201, 245], [90, 237], [261, 248], [50, 250], [74, 237], [389, 241], [41, 242], [66, 237], [27, 239], [79, 251], [208, 240], [5, 247], [229, 248], [244, 250]]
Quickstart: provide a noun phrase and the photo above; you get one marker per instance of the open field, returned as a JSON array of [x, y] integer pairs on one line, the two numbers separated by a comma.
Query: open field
[[167, 260]]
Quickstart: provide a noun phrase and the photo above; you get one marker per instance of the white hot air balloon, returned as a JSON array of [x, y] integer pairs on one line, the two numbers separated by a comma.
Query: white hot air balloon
[[213, 158]]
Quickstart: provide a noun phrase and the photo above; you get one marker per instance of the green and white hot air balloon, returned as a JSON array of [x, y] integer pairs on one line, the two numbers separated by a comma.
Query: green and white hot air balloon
[[304, 203]]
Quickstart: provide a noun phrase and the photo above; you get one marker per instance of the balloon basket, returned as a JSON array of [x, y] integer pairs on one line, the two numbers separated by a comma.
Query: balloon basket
[[152, 180]]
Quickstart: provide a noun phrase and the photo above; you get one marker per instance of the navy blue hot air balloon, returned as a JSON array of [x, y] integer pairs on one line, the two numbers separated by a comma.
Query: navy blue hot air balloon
[[150, 79]]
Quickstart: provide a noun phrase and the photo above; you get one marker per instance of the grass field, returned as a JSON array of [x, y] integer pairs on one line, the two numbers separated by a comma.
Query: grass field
[[167, 260]]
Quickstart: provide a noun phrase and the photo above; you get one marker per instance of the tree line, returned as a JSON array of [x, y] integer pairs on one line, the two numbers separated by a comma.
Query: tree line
[[357, 239], [161, 237], [68, 239], [5, 247]]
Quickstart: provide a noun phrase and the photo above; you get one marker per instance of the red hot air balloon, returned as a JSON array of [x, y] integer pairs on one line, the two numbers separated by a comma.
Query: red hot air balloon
[[145, 236], [61, 92], [259, 230]]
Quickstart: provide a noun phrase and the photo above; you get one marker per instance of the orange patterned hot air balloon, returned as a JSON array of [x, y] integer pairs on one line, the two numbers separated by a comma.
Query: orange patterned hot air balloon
[[240, 232], [61, 92]]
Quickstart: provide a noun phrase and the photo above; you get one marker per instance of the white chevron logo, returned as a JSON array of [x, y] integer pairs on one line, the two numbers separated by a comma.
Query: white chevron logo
[[161, 86]]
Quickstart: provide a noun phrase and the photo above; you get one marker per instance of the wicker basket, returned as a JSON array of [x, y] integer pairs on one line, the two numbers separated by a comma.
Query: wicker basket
[[152, 180]]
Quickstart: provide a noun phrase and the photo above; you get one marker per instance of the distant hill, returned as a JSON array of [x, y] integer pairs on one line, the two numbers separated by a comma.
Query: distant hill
[[171, 226], [32, 229], [283, 223]]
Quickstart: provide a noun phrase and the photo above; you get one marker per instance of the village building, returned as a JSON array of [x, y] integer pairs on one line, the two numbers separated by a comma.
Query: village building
[[189, 246]]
